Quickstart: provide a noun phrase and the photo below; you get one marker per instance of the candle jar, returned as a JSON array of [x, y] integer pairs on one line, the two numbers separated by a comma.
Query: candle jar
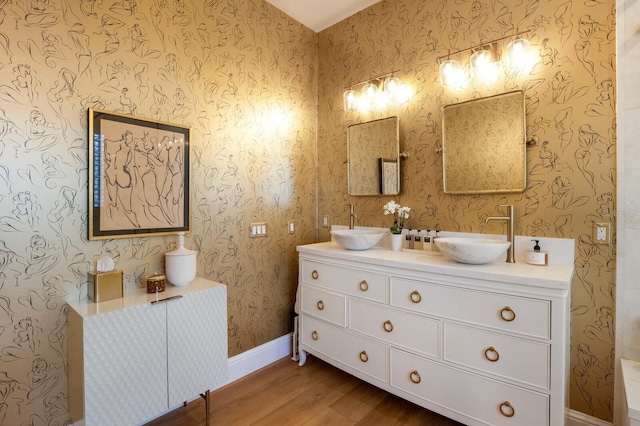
[[155, 283]]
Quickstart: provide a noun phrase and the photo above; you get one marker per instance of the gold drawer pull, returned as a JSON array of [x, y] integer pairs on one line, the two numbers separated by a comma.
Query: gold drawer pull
[[507, 410], [314, 274], [363, 356], [314, 335], [495, 356], [415, 296], [388, 327], [414, 377], [364, 286], [510, 314], [320, 305]]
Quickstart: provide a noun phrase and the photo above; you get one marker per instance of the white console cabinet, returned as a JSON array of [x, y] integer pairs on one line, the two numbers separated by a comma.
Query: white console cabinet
[[481, 344], [133, 358]]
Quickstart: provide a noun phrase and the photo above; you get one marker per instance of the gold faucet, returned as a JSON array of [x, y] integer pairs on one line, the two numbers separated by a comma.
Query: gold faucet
[[352, 217], [509, 218]]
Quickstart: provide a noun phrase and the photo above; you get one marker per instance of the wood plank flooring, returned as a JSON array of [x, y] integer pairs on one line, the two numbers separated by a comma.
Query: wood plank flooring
[[317, 394]]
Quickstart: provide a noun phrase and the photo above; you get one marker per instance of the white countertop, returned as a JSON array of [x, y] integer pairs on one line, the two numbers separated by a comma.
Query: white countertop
[[553, 276], [86, 308]]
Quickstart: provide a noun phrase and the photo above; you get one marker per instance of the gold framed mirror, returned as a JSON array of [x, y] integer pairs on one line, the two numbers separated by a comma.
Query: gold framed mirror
[[484, 145], [373, 157]]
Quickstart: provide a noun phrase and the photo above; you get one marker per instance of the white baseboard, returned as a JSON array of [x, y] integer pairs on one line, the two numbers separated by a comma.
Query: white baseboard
[[576, 418], [258, 357]]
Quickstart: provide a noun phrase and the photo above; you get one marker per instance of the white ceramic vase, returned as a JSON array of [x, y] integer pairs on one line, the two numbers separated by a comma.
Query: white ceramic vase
[[396, 242], [181, 264]]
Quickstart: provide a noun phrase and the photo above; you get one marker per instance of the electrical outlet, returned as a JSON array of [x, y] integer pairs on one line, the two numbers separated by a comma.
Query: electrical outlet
[[601, 233], [292, 227], [325, 221]]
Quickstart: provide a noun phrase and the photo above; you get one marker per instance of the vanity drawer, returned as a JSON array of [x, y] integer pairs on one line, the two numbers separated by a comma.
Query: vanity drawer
[[513, 358], [485, 400], [321, 304], [359, 353], [527, 316], [394, 327], [355, 282]]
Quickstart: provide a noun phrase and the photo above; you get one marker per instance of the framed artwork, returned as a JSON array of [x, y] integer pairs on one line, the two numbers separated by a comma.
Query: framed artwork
[[388, 177], [138, 176]]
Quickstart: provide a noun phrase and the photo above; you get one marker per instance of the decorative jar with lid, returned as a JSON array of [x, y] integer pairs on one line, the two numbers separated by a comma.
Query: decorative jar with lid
[[181, 264]]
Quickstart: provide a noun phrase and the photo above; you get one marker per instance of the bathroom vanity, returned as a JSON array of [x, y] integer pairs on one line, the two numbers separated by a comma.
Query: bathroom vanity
[[481, 344], [133, 358]]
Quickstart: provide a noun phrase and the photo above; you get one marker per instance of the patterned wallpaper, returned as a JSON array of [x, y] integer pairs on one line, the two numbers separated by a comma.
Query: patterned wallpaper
[[229, 70], [570, 103]]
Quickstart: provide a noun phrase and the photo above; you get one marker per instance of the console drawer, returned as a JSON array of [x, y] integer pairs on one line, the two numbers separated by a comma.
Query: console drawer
[[394, 327], [362, 354], [485, 400], [517, 359], [354, 282], [327, 306], [527, 316]]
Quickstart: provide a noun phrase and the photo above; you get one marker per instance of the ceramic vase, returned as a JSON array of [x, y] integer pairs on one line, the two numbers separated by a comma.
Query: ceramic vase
[[396, 242], [181, 264]]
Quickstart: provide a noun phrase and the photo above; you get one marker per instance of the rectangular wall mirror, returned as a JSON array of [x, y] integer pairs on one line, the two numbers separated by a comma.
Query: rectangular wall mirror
[[373, 157], [484, 145]]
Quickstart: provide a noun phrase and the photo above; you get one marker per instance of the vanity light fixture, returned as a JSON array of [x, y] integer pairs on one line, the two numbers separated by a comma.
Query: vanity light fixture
[[377, 92], [484, 62]]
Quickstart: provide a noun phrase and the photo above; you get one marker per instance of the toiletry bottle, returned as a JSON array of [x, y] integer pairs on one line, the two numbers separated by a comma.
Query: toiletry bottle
[[417, 242], [434, 247], [426, 244], [409, 240], [537, 257]]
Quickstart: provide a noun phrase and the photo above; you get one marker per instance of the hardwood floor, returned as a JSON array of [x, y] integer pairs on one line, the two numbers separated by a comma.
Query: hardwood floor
[[316, 394]]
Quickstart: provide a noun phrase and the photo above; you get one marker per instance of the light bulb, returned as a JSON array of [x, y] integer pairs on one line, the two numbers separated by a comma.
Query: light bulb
[[517, 51], [350, 100], [482, 66], [391, 85], [369, 90], [449, 71]]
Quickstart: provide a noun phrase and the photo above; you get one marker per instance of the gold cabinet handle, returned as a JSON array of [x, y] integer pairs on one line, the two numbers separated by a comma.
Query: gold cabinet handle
[[320, 305], [415, 296], [314, 274], [414, 376], [314, 335], [507, 410], [388, 327], [510, 314], [490, 354], [364, 286], [363, 356]]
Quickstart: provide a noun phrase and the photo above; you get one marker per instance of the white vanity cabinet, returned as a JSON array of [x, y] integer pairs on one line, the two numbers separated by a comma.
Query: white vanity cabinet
[[131, 359], [481, 344]]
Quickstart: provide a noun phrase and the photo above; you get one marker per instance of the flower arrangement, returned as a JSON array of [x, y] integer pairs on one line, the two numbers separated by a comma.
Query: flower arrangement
[[400, 214]]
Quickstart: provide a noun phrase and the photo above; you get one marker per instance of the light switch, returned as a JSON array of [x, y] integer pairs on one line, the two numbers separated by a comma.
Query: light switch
[[292, 227]]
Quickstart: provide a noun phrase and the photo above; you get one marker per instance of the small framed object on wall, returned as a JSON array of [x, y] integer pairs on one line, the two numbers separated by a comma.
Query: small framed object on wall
[[138, 176]]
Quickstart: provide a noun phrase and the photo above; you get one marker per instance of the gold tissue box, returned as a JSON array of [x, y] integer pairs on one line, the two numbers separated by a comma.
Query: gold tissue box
[[105, 286]]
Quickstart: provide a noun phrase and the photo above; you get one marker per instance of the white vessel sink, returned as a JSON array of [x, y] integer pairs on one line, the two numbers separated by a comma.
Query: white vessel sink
[[476, 251], [357, 239]]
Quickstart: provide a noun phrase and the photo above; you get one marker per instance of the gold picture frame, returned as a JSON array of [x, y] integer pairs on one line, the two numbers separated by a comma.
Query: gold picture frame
[[138, 176]]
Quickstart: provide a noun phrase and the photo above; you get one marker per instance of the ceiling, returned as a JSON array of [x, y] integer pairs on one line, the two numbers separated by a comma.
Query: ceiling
[[321, 14]]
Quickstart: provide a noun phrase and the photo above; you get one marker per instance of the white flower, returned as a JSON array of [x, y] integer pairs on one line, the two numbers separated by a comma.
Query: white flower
[[391, 207], [400, 214]]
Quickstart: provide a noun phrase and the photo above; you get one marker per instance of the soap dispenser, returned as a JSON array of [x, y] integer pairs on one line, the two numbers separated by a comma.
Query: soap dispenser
[[537, 257]]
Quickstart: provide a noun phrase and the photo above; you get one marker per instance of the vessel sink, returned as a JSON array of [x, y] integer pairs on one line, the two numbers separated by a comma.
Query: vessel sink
[[475, 251], [357, 239]]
